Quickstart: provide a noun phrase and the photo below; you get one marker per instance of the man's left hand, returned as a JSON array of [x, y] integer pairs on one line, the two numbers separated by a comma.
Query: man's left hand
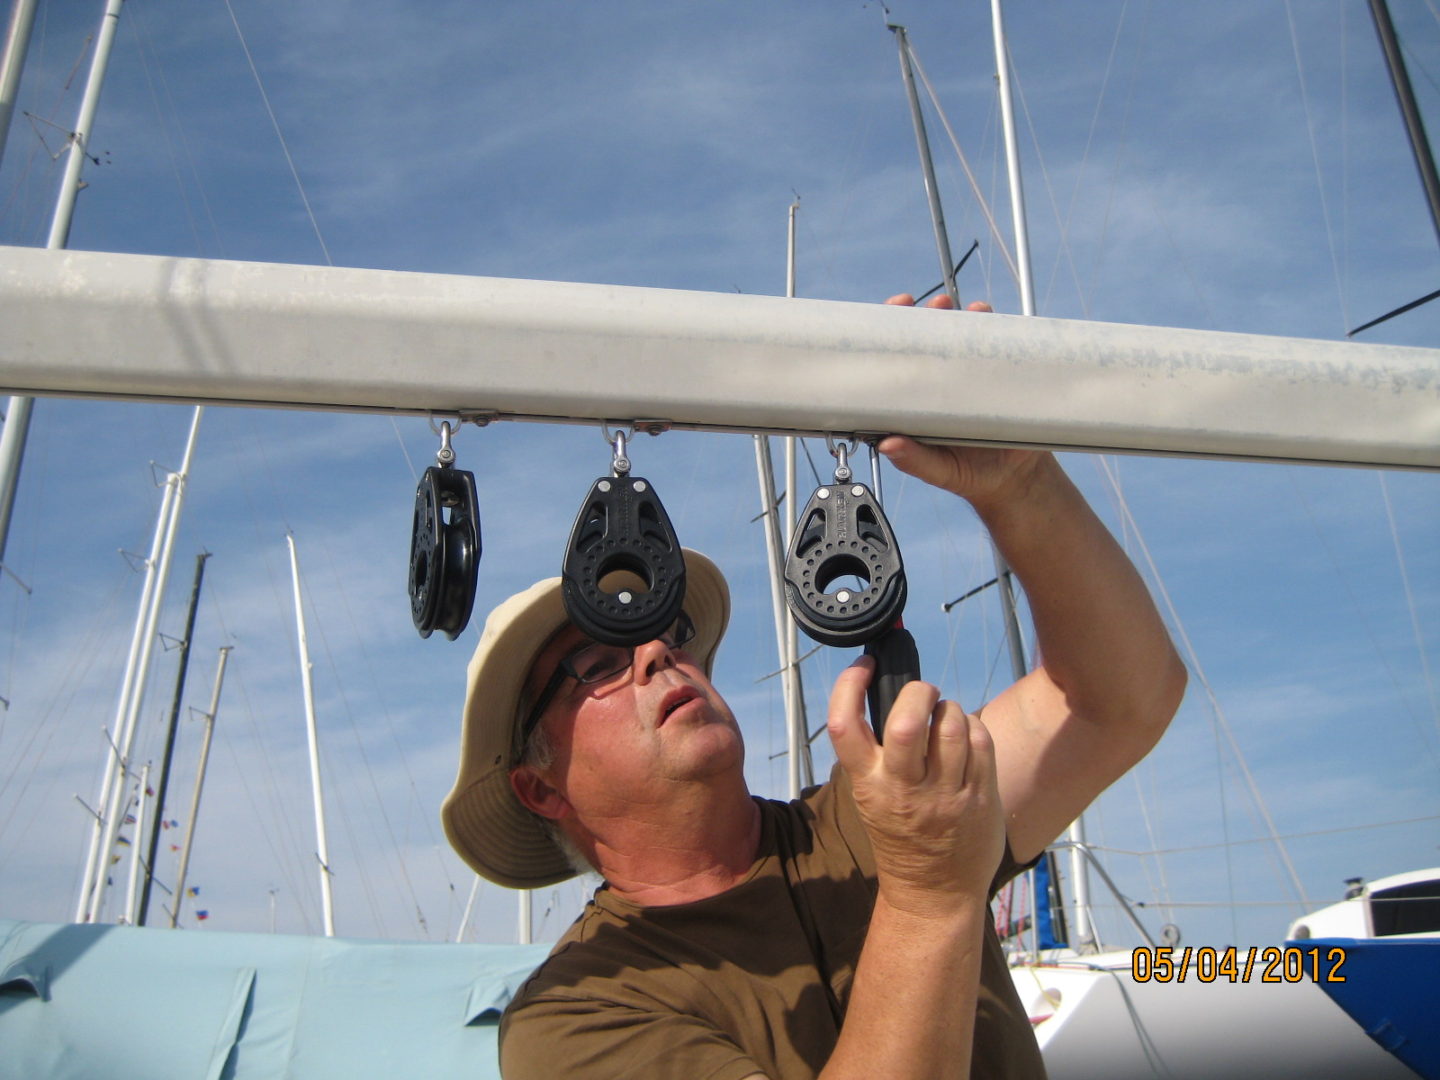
[[976, 473]]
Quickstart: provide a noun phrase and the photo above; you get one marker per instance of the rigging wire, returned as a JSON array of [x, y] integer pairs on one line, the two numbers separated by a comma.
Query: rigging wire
[[1319, 173], [282, 825], [1345, 230], [295, 880], [1418, 62], [143, 47], [1306, 835], [150, 58], [1065, 250], [1409, 598], [1146, 765], [965, 164], [1221, 722], [283, 603], [48, 723], [336, 801], [1382, 655], [315, 226], [1121, 150], [1162, 888], [280, 135], [396, 849], [861, 134]]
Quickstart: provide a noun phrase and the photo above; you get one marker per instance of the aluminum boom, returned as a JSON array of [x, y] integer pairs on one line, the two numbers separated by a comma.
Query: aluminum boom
[[159, 328]]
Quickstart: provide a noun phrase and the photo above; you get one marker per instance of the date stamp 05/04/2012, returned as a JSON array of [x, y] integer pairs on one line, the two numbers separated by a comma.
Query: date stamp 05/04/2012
[[1271, 964]]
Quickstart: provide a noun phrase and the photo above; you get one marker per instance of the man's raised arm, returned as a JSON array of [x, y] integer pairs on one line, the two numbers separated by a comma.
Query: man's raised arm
[[1109, 679]]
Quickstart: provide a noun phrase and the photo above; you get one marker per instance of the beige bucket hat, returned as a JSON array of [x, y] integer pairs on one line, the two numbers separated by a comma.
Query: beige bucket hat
[[486, 824]]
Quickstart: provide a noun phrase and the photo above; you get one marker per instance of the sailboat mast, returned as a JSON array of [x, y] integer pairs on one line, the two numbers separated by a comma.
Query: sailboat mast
[[115, 737], [142, 804], [19, 408], [1012, 163], [525, 931], [792, 632], [163, 786], [927, 167], [1079, 868], [322, 853], [802, 769], [775, 557], [199, 788], [12, 63], [1405, 95], [798, 771], [80, 137], [947, 270], [132, 691]]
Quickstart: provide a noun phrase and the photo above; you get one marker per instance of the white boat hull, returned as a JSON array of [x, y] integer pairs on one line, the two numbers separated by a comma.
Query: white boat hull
[[1093, 1019]]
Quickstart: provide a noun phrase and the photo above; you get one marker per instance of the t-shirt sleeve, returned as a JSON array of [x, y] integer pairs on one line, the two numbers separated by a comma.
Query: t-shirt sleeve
[[1009, 869], [552, 1036]]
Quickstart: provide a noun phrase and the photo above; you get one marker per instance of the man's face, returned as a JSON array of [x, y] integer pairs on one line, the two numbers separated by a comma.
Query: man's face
[[624, 742]]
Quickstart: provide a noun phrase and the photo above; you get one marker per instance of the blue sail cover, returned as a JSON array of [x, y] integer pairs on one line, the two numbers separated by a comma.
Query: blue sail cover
[[1045, 908], [150, 1004]]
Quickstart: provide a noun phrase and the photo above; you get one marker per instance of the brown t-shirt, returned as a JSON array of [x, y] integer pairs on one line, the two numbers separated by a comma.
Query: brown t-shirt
[[755, 979]]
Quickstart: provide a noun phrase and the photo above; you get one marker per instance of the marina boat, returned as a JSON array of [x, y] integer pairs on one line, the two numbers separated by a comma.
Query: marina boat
[[1349, 993]]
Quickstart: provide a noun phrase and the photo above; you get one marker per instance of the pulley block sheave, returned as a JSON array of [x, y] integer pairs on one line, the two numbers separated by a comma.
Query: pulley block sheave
[[843, 537], [622, 526], [444, 551]]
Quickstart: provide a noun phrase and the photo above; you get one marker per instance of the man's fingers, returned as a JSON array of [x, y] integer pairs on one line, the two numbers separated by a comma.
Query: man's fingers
[[941, 301], [907, 731], [949, 748], [928, 463], [926, 740], [961, 750], [850, 734]]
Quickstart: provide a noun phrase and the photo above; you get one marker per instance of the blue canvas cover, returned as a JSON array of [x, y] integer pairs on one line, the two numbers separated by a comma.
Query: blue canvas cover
[[151, 1004]]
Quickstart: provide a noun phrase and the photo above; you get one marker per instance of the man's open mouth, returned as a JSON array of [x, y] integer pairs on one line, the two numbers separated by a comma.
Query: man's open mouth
[[674, 700]]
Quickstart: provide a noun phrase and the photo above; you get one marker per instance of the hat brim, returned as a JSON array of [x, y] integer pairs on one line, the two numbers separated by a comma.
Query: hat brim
[[484, 821]]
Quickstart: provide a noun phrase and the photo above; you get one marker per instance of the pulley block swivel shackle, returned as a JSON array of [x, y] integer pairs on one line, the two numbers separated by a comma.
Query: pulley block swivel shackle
[[622, 526], [444, 545]]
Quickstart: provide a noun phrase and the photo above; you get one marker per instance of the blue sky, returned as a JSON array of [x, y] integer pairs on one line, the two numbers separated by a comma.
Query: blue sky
[[659, 145]]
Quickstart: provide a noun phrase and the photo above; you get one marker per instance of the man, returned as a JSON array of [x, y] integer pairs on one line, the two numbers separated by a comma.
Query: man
[[847, 934]]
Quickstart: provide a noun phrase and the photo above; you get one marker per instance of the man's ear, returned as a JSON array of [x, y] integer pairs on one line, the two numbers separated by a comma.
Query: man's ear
[[537, 794]]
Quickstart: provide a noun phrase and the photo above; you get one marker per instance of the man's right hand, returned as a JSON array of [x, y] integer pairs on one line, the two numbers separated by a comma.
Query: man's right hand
[[928, 796]]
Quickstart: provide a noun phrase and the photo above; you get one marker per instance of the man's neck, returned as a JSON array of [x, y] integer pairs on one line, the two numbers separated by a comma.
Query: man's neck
[[699, 849]]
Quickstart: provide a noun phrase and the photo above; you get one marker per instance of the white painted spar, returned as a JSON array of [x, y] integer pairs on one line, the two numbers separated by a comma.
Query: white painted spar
[[146, 327]]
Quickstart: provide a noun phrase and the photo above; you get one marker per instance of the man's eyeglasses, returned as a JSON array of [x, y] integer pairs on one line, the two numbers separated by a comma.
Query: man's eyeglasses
[[596, 662]]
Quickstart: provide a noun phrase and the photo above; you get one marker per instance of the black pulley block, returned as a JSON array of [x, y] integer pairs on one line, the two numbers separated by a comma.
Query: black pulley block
[[444, 551], [843, 533], [623, 526]]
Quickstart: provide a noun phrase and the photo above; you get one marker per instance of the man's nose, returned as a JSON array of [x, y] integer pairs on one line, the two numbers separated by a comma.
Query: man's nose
[[651, 658]]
